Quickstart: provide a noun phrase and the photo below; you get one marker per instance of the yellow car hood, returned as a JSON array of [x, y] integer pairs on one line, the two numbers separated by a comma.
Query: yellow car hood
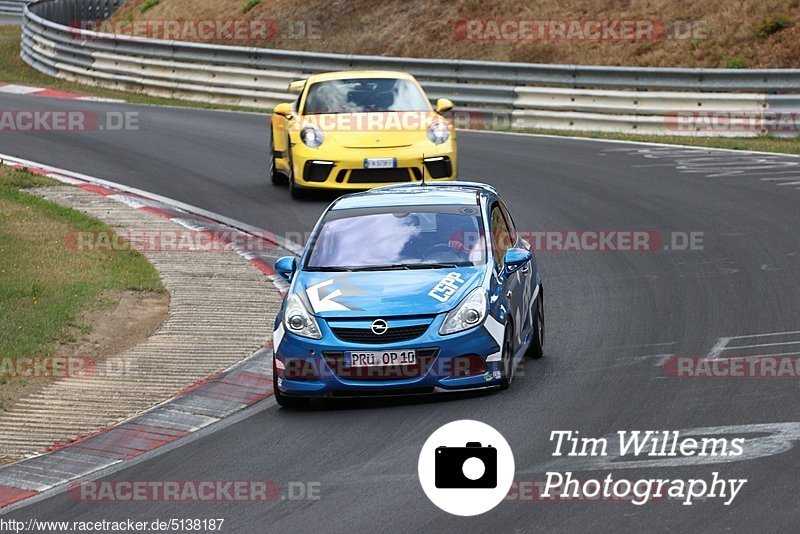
[[374, 130]]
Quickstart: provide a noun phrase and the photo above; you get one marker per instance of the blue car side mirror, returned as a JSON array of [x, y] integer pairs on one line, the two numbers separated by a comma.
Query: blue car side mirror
[[516, 258], [286, 266]]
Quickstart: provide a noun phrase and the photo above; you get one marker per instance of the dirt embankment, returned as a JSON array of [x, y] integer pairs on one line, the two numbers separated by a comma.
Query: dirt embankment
[[647, 33]]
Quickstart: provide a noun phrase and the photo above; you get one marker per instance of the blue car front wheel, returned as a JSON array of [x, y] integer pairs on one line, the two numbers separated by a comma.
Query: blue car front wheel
[[283, 400], [536, 348], [507, 357]]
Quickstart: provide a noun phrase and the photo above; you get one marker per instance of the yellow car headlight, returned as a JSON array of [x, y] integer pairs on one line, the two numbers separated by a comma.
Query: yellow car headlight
[[438, 132], [312, 136]]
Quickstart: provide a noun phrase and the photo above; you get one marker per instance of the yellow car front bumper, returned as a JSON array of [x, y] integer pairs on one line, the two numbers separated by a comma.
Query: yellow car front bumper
[[346, 169]]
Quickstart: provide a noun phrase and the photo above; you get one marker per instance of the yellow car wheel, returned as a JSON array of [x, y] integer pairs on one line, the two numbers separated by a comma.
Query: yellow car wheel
[[275, 176], [296, 191]]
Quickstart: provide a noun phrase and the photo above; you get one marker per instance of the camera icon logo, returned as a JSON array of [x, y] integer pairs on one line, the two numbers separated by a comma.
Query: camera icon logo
[[466, 467], [472, 466]]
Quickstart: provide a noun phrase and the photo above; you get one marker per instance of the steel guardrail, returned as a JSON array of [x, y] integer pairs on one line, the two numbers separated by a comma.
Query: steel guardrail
[[531, 95], [12, 7]]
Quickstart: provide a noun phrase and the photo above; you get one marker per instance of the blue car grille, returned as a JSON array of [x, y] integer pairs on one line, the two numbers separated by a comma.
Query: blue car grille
[[336, 362], [392, 335], [350, 393]]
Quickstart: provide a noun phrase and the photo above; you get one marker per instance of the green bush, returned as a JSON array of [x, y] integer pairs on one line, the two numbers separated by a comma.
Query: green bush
[[737, 62], [250, 4], [772, 25], [148, 4]]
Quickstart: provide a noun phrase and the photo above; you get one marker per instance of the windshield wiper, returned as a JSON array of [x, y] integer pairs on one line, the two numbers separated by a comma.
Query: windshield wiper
[[330, 269], [406, 266], [431, 265], [398, 267], [381, 268]]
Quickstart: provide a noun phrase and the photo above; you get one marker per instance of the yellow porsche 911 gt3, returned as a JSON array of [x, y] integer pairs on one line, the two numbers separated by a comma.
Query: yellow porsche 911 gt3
[[360, 129]]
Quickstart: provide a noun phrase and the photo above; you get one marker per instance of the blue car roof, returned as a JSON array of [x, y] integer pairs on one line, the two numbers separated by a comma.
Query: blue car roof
[[453, 193]]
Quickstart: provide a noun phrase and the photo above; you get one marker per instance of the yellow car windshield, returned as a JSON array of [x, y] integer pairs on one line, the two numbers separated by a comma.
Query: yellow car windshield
[[364, 95]]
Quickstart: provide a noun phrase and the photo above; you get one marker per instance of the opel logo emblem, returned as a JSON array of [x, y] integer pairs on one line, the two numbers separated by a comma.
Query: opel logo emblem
[[379, 327]]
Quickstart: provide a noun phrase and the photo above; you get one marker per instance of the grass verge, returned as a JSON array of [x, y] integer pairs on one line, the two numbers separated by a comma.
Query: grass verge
[[44, 285]]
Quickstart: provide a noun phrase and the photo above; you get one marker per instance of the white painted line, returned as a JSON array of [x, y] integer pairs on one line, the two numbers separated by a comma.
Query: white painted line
[[115, 467], [74, 178], [210, 426], [101, 99], [644, 345], [64, 179], [19, 89], [127, 200], [653, 165], [660, 359], [762, 345], [765, 335], [623, 142], [770, 355], [772, 173], [717, 349], [60, 174], [723, 344]]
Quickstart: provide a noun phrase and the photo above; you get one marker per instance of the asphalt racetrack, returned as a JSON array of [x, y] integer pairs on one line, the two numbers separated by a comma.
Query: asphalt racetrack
[[613, 318]]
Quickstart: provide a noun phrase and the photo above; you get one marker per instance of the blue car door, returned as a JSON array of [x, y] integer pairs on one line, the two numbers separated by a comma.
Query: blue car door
[[512, 286], [527, 276]]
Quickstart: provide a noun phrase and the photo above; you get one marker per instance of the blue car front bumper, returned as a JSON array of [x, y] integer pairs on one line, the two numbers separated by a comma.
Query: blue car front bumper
[[307, 367]]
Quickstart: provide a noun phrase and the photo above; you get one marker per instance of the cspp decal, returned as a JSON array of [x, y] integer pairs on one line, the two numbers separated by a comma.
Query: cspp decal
[[446, 287]]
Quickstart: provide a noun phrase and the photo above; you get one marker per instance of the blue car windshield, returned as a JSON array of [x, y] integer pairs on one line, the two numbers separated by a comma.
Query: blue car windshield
[[363, 95], [394, 238]]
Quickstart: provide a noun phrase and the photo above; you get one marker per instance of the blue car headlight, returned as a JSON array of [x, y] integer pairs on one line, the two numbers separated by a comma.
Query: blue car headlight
[[297, 320], [468, 314]]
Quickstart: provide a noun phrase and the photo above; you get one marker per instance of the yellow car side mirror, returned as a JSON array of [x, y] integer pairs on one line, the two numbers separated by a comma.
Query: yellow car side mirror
[[443, 104], [297, 86], [284, 110]]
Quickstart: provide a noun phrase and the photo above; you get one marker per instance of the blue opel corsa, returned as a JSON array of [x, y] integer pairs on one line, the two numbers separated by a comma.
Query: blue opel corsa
[[408, 289]]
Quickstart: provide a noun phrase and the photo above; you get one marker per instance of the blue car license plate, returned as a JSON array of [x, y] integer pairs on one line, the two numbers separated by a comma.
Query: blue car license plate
[[380, 358]]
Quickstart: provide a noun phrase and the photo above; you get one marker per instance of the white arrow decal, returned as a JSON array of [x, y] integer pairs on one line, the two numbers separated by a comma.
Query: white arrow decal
[[326, 303]]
